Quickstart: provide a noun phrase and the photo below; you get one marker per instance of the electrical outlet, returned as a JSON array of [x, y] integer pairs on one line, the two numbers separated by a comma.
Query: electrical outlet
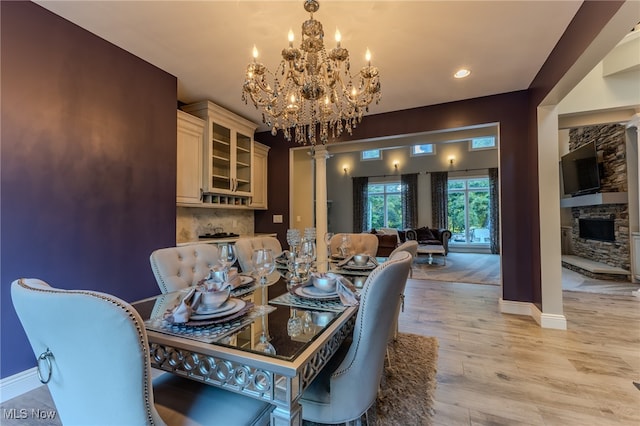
[[234, 223], [277, 218], [298, 218]]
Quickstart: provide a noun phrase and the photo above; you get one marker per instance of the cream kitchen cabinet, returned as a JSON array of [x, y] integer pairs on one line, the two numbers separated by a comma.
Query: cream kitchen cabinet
[[227, 165], [260, 156], [189, 159]]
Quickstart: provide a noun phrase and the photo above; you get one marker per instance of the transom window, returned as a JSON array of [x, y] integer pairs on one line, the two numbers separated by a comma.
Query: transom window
[[477, 144], [423, 149], [384, 202], [371, 154]]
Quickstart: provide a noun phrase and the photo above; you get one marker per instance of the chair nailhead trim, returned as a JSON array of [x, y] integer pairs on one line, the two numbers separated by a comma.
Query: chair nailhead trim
[[139, 327]]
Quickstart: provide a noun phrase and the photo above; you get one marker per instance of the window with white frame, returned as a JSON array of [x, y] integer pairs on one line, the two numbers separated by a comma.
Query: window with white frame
[[487, 142], [384, 202], [423, 149], [371, 154]]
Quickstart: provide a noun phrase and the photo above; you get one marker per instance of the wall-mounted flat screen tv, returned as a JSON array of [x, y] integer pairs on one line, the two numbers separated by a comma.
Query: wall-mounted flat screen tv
[[580, 173]]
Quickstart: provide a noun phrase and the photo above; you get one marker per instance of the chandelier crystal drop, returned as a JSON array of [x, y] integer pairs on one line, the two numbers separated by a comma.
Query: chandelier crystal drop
[[312, 95]]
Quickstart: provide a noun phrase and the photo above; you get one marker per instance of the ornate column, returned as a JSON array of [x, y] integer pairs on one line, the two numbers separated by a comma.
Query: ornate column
[[320, 155]]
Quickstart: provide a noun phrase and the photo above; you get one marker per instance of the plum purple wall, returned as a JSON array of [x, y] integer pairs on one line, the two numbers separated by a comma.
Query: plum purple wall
[[87, 164]]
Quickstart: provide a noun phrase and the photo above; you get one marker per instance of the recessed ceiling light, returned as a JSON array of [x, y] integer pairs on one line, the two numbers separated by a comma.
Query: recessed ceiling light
[[462, 73]]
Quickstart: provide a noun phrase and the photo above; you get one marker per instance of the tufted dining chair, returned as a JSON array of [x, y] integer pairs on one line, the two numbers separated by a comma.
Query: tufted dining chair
[[411, 247], [360, 243], [347, 387], [92, 349], [246, 246], [176, 268]]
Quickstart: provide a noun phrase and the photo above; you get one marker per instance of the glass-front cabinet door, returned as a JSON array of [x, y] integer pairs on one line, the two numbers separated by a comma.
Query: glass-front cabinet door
[[220, 176], [244, 145], [228, 151]]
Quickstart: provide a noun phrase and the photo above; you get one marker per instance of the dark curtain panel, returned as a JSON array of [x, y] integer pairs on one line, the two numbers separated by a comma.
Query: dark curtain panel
[[494, 210], [409, 200], [360, 199], [439, 199]]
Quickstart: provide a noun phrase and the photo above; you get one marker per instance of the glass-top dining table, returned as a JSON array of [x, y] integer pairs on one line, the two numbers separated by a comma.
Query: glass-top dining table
[[272, 353]]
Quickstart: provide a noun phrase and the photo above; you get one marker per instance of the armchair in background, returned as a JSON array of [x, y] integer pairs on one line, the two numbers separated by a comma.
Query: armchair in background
[[426, 235]]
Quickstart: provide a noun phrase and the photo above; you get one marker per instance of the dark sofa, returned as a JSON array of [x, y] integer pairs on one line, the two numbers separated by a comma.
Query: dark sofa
[[427, 235], [388, 242]]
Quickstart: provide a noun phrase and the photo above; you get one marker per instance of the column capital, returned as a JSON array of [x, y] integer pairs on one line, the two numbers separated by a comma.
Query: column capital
[[319, 152]]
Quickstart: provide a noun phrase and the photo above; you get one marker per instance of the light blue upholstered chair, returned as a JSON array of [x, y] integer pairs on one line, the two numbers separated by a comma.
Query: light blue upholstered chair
[[246, 246], [176, 268], [98, 365], [347, 387], [410, 247]]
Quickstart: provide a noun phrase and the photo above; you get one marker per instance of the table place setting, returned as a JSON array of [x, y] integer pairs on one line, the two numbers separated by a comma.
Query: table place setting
[[208, 311], [325, 291], [361, 262]]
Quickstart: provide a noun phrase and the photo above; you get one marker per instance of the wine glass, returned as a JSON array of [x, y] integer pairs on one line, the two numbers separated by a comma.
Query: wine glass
[[345, 246], [263, 344], [294, 324], [327, 240], [228, 255], [293, 239], [264, 263], [308, 249]]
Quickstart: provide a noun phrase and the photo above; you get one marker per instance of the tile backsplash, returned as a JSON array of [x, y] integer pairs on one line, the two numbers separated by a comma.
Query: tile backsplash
[[192, 222]]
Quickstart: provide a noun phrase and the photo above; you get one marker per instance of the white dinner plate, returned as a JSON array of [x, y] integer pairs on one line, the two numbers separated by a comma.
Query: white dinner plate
[[240, 304], [226, 306], [310, 292]]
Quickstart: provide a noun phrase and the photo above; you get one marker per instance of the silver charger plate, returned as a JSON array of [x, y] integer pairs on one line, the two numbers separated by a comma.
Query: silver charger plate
[[353, 266]]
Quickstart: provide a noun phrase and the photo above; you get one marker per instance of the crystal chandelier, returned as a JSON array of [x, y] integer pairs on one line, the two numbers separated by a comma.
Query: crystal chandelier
[[312, 94]]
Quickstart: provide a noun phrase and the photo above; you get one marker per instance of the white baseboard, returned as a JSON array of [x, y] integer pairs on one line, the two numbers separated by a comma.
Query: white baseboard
[[19, 383], [27, 380], [554, 321], [515, 308]]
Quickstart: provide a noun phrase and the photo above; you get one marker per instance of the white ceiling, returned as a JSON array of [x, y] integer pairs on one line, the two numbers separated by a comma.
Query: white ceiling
[[417, 45]]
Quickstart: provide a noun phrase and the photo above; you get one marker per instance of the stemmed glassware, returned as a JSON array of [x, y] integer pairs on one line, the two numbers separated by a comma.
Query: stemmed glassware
[[345, 246], [293, 239], [228, 255], [327, 240], [263, 344], [294, 324], [264, 263], [307, 256]]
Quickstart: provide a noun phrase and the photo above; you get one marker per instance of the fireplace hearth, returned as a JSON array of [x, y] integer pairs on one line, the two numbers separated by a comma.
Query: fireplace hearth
[[597, 229]]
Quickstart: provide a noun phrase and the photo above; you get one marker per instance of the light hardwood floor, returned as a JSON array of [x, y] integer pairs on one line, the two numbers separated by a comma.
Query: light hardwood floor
[[498, 369]]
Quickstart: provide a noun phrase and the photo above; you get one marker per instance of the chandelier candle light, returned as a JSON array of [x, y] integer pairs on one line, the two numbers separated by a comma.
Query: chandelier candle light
[[312, 95]]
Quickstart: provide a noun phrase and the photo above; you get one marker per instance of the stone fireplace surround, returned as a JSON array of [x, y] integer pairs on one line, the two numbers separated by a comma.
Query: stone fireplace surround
[[610, 146]]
